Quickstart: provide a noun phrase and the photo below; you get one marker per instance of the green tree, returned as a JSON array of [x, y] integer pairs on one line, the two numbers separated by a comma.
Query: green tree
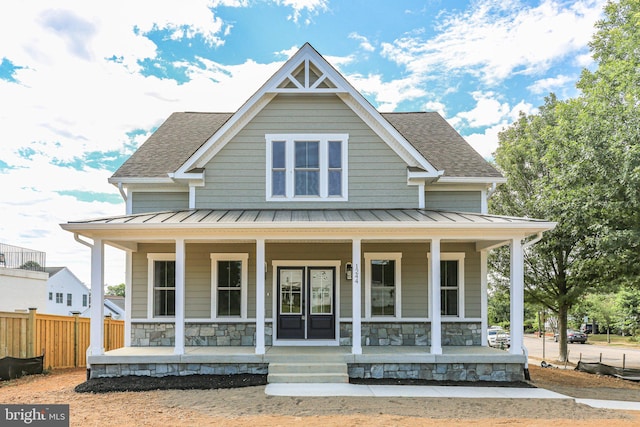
[[533, 154], [628, 308], [610, 118], [577, 162], [116, 290]]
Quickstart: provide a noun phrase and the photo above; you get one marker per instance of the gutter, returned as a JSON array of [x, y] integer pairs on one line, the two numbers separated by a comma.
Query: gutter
[[533, 241]]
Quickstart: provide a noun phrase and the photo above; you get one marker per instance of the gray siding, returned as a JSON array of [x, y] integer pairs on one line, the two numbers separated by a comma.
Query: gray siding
[[414, 291], [158, 201], [235, 177], [414, 286], [461, 201]]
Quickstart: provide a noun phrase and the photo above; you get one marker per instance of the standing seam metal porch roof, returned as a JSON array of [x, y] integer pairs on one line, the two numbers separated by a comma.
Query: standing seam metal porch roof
[[312, 217]]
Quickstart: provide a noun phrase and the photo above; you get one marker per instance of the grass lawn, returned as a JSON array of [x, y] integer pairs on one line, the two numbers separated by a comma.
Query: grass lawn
[[616, 340]]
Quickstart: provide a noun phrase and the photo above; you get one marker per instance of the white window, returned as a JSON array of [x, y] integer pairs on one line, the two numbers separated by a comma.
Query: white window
[[162, 285], [85, 300], [69, 300], [451, 284], [229, 284], [307, 167], [58, 297], [382, 284]]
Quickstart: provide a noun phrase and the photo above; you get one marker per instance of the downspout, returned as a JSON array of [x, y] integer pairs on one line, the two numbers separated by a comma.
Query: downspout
[[90, 246], [122, 193], [79, 240], [526, 245]]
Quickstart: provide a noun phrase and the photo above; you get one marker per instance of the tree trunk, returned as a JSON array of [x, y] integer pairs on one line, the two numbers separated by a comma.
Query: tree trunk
[[562, 333]]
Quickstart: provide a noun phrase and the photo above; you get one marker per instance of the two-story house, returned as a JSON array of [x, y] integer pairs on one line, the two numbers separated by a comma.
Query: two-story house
[[66, 294], [308, 227]]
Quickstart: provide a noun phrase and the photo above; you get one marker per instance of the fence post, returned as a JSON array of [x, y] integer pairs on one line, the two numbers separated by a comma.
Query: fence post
[[107, 332], [31, 332], [76, 336]]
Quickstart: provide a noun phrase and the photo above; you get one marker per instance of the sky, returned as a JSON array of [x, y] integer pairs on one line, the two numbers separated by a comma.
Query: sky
[[84, 83]]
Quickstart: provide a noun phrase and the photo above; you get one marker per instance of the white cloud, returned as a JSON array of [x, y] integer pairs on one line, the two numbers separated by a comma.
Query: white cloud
[[387, 94], [494, 40], [486, 142], [69, 100], [313, 7], [550, 84], [364, 42], [436, 106], [491, 115]]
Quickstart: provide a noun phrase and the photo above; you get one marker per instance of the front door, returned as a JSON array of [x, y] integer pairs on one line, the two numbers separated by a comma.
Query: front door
[[306, 298]]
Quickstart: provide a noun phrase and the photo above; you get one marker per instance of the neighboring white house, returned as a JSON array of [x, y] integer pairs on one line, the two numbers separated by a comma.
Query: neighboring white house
[[22, 289], [113, 306], [65, 293], [23, 282]]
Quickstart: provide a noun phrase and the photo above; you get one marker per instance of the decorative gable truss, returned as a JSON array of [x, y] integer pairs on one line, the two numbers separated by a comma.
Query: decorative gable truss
[[307, 77]]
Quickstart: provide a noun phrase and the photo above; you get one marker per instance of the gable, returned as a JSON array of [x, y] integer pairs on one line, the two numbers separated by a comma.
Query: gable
[[186, 142]]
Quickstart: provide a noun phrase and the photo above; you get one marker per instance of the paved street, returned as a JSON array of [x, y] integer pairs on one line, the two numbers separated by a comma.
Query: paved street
[[589, 352]]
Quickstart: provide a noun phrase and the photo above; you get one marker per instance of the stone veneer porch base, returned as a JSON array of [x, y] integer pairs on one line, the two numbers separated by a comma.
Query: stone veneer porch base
[[464, 372]]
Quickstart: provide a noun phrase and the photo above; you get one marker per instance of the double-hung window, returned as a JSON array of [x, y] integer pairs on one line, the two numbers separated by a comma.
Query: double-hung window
[[451, 284], [58, 297], [69, 300], [306, 167], [382, 284], [162, 285], [229, 284], [85, 300]]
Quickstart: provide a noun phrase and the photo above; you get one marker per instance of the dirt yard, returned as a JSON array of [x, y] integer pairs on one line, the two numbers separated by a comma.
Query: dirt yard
[[251, 407]]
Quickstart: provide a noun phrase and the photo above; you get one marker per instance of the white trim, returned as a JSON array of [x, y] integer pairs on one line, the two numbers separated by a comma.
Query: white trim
[[484, 305], [244, 284], [434, 295], [180, 270], [260, 296], [96, 331], [517, 297], [472, 180], [151, 257], [371, 256], [128, 297], [274, 287], [454, 256], [356, 297], [323, 139]]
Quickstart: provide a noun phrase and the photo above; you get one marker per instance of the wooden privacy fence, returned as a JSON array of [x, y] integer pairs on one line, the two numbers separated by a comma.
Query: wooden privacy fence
[[64, 339]]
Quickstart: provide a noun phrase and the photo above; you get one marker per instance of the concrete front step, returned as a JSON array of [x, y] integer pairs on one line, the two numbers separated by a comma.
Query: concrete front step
[[308, 373]]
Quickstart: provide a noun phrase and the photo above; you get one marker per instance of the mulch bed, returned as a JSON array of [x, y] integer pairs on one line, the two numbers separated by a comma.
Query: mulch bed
[[186, 382]]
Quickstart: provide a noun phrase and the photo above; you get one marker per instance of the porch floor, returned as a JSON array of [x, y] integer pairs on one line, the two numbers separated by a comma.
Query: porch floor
[[245, 354]]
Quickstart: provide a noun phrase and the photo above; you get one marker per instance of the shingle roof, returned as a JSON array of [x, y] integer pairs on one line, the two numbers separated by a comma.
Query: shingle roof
[[171, 144], [183, 133], [440, 144]]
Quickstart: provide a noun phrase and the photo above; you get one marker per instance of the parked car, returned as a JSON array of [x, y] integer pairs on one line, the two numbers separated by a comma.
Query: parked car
[[498, 337], [573, 336]]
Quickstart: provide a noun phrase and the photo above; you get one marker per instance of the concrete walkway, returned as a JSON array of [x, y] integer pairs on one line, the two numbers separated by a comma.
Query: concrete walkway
[[323, 390]]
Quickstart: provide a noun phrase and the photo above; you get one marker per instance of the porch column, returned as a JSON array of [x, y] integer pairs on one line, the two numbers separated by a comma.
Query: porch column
[[484, 305], [436, 321], [180, 270], [96, 333], [356, 295], [517, 297], [127, 299], [260, 299]]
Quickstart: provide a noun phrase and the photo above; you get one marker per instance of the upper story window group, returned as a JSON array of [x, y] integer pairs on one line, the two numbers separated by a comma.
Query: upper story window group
[[306, 167]]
